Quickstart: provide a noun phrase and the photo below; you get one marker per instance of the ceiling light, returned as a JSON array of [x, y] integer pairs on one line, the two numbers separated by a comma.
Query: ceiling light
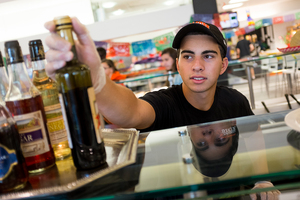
[[237, 1], [230, 6], [118, 12], [168, 3], [109, 4]]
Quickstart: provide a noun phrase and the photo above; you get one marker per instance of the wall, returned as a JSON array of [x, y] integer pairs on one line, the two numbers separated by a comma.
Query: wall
[[270, 10], [27, 18], [267, 10], [118, 28], [280, 30]]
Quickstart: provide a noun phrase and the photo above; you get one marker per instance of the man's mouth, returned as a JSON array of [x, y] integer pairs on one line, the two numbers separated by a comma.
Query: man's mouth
[[198, 78]]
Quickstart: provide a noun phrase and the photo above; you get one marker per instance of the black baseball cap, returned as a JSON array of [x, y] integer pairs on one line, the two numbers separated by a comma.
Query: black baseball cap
[[202, 27]]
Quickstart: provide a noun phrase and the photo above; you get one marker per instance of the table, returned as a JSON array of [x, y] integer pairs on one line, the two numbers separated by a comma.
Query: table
[[251, 62], [176, 162]]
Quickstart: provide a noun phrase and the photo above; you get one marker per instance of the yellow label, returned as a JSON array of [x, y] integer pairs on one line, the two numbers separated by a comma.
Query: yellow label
[[95, 113], [56, 125]]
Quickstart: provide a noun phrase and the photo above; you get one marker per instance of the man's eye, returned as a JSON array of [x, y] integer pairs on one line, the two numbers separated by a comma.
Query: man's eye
[[208, 56], [220, 141], [186, 57]]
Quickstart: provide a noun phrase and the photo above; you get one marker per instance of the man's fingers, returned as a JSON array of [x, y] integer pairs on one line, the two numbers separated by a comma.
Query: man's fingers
[[50, 25], [253, 196], [263, 196], [54, 41], [271, 195], [51, 67], [53, 55], [81, 32]]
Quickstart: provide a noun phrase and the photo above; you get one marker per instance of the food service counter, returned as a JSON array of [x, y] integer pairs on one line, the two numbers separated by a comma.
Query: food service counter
[[220, 159]]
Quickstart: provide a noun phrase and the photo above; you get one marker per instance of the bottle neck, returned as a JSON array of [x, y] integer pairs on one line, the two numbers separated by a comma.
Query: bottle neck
[[38, 65], [3, 83], [67, 34], [20, 85]]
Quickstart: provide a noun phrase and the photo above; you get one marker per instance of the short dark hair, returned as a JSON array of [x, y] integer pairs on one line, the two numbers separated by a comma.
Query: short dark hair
[[110, 63], [222, 52], [101, 52]]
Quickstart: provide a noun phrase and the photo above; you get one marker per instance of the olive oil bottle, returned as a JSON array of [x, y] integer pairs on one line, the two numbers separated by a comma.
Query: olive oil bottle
[[79, 106], [47, 87]]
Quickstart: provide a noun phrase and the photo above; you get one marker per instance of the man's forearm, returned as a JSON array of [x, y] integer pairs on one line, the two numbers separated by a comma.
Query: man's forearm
[[118, 104]]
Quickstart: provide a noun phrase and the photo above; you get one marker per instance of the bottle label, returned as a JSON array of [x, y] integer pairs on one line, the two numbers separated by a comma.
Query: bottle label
[[52, 107], [63, 110], [95, 114], [32, 133], [50, 98], [55, 124], [8, 159]]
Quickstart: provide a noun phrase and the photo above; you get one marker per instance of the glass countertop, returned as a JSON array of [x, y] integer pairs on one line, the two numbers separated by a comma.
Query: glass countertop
[[221, 159]]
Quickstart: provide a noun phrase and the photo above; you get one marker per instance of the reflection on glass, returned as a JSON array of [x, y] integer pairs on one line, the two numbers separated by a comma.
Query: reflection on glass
[[213, 147]]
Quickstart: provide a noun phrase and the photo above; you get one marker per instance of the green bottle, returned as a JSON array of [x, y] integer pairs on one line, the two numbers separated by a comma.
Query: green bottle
[[79, 106]]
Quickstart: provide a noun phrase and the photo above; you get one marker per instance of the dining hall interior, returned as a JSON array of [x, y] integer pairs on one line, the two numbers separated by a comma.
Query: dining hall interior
[[248, 157]]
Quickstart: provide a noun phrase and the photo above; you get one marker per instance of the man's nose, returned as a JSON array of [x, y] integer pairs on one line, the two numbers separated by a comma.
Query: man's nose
[[207, 133], [198, 65]]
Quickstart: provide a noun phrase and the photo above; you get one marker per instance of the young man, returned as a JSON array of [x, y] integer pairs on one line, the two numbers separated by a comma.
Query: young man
[[243, 47], [201, 59]]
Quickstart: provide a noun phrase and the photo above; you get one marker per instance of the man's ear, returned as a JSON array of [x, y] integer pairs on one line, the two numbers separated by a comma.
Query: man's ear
[[224, 65], [177, 65]]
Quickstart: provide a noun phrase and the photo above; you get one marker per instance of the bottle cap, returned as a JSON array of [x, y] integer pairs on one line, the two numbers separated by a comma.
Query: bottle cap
[[1, 60], [13, 52], [63, 22], [182, 133], [187, 158], [36, 50]]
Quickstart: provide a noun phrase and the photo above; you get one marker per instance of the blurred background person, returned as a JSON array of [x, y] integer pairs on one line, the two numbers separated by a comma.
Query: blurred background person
[[111, 71], [243, 50], [168, 57], [101, 52]]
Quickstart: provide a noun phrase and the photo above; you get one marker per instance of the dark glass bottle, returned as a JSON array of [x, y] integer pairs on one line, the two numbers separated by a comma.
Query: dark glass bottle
[[13, 171], [79, 106], [25, 103], [48, 88]]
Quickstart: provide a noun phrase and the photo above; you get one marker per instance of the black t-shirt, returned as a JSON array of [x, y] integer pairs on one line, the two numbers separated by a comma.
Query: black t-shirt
[[244, 47], [173, 110]]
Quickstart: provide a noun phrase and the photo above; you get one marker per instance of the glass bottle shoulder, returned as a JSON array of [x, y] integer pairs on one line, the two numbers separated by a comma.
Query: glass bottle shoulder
[[73, 68]]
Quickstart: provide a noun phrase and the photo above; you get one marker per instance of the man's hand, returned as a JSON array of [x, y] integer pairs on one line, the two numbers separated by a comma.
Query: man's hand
[[60, 52], [270, 195]]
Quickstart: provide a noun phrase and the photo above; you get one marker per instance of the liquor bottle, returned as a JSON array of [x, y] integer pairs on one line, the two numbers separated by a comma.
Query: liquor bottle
[[13, 171], [48, 88], [79, 106], [3, 78], [25, 103]]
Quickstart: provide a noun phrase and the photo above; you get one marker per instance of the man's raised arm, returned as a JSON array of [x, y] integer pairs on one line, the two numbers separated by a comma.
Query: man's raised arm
[[115, 102]]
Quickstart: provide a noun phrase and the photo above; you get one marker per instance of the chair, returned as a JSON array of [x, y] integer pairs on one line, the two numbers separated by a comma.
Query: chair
[[275, 68], [265, 64], [288, 72], [297, 70]]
